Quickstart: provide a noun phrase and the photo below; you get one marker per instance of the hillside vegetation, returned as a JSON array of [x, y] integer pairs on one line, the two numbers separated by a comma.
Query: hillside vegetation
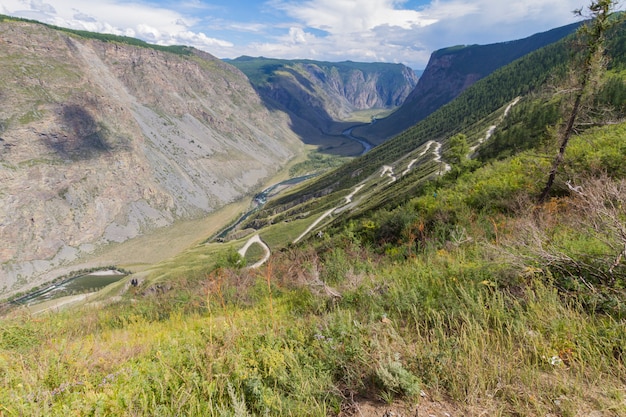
[[436, 285]]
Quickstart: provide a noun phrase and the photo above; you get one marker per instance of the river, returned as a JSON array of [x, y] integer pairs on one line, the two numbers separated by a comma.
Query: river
[[259, 201], [366, 145], [261, 198]]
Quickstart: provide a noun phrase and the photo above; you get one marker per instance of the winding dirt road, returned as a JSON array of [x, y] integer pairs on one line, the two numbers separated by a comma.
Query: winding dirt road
[[250, 242], [386, 170], [492, 128], [329, 212]]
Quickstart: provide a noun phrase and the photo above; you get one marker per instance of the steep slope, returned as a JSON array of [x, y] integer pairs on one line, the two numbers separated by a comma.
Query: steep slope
[[471, 107], [319, 94], [474, 112], [103, 141], [451, 71]]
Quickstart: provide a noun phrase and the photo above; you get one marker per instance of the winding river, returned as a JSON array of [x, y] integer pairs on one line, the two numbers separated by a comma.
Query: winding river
[[258, 201], [366, 145], [261, 198]]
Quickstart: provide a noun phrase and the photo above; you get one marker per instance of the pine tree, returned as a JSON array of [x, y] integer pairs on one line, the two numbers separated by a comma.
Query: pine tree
[[592, 35]]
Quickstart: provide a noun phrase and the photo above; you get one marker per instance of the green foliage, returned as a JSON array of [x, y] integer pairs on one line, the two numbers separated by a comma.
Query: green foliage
[[527, 126], [457, 149], [587, 65], [598, 151], [230, 259], [613, 93], [395, 378], [19, 336]]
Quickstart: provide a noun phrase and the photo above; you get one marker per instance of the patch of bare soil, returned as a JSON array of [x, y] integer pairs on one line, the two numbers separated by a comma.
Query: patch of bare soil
[[425, 408]]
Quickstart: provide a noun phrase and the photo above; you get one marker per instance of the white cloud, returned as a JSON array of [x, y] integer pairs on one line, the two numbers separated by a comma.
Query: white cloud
[[245, 27], [489, 21], [297, 35], [199, 40], [84, 17], [350, 16], [40, 6], [389, 30], [153, 24], [148, 32]]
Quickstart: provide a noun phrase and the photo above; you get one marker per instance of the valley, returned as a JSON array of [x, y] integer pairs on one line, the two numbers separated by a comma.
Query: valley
[[312, 238]]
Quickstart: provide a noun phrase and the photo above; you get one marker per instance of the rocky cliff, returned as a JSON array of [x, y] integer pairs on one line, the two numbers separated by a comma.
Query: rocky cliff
[[103, 141], [449, 72], [317, 94]]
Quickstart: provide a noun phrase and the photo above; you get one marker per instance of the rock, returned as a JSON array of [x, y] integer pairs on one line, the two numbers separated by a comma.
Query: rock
[[103, 141]]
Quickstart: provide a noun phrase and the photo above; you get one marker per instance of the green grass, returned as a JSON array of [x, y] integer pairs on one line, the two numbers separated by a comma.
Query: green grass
[[254, 253], [366, 116], [315, 162], [222, 346]]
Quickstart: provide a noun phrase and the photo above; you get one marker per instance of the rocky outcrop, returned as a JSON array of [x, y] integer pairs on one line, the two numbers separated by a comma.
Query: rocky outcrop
[[102, 141], [320, 94], [451, 71]]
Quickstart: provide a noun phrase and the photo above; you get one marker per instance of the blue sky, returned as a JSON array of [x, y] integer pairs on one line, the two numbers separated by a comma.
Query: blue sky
[[332, 30]]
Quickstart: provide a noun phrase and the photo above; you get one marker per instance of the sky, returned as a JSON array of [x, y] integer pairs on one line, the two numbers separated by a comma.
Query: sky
[[395, 31]]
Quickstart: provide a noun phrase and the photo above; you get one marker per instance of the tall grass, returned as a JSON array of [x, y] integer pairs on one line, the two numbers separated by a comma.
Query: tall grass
[[239, 342]]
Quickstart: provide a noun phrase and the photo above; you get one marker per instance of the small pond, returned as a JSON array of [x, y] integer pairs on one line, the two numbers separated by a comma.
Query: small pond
[[77, 285]]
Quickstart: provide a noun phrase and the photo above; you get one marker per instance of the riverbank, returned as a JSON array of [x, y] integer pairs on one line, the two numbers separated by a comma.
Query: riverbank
[[259, 201], [58, 303]]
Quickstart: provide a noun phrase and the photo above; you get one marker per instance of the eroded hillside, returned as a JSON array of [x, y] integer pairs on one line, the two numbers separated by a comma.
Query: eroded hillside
[[102, 141]]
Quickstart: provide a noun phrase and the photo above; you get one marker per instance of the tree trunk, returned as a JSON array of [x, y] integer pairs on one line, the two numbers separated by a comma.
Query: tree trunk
[[601, 13]]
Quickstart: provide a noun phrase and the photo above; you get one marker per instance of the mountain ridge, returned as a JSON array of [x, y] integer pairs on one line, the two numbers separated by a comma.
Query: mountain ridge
[[449, 72]]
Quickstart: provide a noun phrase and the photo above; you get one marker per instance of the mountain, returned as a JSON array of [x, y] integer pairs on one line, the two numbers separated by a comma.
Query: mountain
[[473, 112], [104, 138], [317, 94], [451, 71], [477, 102]]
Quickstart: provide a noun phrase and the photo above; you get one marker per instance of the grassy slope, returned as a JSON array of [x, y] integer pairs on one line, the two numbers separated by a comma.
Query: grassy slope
[[460, 319], [452, 302]]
